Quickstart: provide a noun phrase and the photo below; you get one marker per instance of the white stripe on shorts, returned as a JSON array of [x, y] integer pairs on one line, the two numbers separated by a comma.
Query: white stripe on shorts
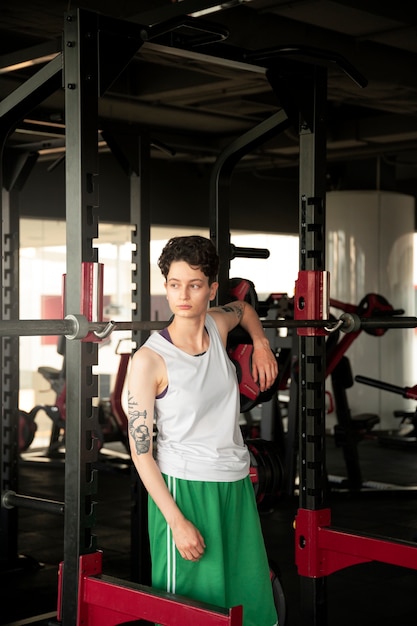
[[170, 547]]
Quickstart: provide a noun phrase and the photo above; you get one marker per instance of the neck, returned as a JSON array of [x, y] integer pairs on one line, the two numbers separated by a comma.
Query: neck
[[192, 338]]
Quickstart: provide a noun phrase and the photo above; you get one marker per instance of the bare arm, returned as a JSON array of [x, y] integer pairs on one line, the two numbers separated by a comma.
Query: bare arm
[[264, 363], [142, 385]]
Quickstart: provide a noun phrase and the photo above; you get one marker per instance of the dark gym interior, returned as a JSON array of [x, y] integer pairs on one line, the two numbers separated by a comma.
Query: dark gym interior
[[242, 115]]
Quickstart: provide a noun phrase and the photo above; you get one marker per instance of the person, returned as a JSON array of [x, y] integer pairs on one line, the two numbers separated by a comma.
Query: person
[[205, 535]]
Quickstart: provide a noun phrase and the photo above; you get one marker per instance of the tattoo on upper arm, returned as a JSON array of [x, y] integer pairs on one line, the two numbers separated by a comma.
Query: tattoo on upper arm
[[237, 308], [138, 431]]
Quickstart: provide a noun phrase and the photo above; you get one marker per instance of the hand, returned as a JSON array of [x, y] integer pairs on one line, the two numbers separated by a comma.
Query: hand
[[264, 366], [190, 544]]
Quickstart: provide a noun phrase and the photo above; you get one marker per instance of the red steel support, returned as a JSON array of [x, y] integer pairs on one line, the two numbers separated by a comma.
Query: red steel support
[[321, 550], [106, 601], [312, 299]]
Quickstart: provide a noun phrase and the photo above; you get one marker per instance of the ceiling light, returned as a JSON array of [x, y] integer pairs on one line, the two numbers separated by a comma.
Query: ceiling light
[[219, 7], [29, 63]]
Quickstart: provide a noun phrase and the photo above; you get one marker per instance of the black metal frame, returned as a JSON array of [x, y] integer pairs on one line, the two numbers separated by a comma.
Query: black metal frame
[[312, 350], [305, 88], [220, 186], [12, 109], [81, 169], [133, 154]]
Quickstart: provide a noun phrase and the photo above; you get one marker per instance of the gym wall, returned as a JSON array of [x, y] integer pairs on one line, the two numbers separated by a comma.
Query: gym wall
[[370, 247]]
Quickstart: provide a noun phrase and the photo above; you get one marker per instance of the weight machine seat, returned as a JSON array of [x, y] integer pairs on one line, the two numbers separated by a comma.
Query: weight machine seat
[[365, 421], [50, 373], [342, 379]]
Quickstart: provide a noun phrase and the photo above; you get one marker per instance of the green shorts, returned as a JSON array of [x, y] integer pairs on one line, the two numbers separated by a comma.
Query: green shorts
[[234, 569]]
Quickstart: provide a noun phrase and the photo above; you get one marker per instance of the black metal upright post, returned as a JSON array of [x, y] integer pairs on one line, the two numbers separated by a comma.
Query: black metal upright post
[[9, 385], [133, 154], [141, 300], [81, 120], [312, 354]]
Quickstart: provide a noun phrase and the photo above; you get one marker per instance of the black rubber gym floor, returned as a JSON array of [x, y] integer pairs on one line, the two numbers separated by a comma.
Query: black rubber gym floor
[[366, 594]]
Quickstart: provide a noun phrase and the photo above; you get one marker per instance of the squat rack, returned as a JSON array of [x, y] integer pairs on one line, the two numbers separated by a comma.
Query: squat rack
[[302, 89]]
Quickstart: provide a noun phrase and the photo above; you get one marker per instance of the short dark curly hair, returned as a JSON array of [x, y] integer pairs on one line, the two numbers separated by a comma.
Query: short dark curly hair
[[197, 251]]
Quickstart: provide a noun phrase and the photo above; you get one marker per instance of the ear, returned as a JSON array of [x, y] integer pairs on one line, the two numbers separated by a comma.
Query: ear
[[213, 290]]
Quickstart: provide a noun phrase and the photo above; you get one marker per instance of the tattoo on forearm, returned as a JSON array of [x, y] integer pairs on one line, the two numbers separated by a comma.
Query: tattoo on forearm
[[141, 437], [139, 432], [134, 412], [237, 308]]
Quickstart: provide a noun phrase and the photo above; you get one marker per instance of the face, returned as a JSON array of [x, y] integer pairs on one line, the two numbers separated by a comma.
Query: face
[[188, 291]]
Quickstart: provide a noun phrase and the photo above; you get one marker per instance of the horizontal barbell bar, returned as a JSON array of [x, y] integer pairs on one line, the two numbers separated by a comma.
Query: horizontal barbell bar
[[348, 323], [72, 326], [78, 327], [11, 499]]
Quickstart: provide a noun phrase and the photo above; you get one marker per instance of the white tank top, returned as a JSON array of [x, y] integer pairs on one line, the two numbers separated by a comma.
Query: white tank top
[[198, 418]]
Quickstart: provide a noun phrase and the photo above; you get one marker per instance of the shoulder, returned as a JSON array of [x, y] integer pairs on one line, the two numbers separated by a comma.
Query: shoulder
[[147, 363], [147, 373]]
